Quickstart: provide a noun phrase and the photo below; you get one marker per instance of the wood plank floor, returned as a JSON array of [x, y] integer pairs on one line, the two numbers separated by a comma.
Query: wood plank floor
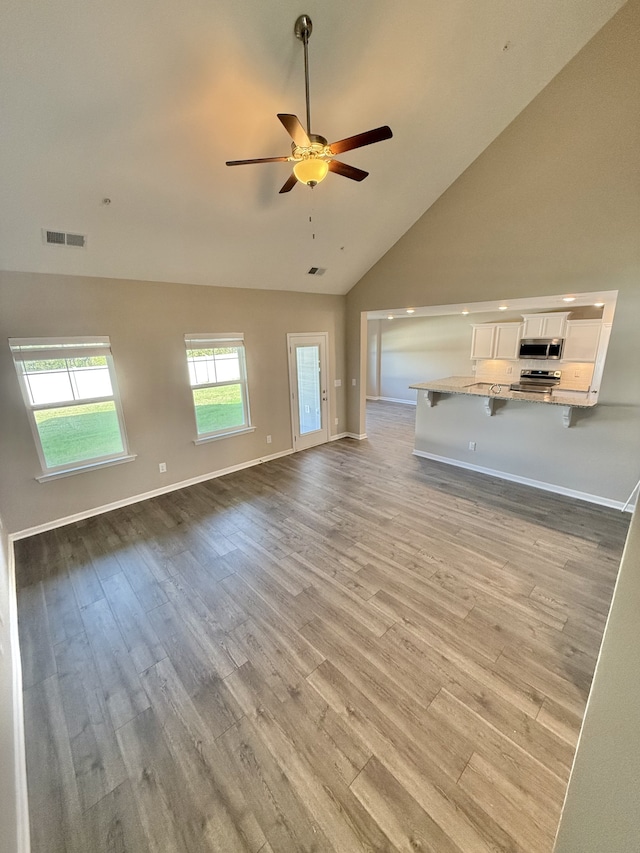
[[348, 649]]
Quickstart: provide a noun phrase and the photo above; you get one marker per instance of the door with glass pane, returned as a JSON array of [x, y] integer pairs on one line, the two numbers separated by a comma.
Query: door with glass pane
[[309, 392]]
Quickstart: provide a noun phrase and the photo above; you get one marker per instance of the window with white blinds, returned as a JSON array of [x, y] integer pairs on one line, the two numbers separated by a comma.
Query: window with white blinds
[[218, 378], [70, 392]]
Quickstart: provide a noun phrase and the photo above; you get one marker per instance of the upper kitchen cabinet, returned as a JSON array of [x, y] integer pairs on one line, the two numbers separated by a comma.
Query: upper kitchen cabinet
[[507, 341], [581, 339], [552, 325], [483, 340], [495, 340]]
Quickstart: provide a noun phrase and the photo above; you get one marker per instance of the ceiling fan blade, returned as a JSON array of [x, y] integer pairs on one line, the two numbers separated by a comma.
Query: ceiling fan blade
[[289, 184], [347, 171], [361, 139], [295, 130], [259, 160]]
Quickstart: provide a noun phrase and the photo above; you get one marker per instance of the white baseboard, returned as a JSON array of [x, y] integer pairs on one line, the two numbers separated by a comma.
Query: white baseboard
[[23, 839], [133, 499], [338, 436], [372, 398], [526, 481], [397, 400]]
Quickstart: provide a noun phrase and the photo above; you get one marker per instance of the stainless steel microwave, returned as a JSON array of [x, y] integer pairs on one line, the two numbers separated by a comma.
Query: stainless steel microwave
[[541, 348]]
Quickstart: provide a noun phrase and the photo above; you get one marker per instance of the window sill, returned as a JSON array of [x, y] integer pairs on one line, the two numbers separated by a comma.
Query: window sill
[[206, 438], [80, 469]]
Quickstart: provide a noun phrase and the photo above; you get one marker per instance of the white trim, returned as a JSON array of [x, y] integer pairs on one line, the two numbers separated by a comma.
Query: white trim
[[67, 404], [355, 435], [294, 339], [213, 337], [338, 436], [31, 408], [163, 490], [80, 469], [375, 399], [62, 344], [526, 481], [20, 760], [397, 400], [236, 339], [205, 438]]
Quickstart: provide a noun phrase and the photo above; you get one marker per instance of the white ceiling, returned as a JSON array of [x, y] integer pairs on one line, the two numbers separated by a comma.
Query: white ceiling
[[142, 102]]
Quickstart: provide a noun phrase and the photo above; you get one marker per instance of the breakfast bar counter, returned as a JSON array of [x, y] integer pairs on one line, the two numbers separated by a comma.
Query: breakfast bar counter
[[492, 391]]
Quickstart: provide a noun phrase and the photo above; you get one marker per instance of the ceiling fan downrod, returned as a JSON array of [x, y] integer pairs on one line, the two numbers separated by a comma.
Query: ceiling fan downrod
[[303, 29]]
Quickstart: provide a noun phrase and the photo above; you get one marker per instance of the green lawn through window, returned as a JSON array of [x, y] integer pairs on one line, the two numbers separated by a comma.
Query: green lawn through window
[[77, 433], [218, 408]]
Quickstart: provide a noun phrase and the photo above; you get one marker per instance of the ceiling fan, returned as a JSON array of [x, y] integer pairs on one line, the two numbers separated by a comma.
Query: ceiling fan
[[313, 157]]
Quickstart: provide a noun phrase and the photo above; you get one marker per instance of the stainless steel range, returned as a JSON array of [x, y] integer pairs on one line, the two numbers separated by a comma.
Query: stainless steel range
[[537, 381]]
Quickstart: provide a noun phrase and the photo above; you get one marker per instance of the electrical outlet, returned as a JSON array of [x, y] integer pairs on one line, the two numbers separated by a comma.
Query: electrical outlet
[[268, 439], [472, 445], [509, 369], [353, 382], [336, 422], [162, 467]]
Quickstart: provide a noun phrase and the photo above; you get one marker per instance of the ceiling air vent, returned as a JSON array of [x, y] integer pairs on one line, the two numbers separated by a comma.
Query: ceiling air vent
[[317, 271], [63, 238]]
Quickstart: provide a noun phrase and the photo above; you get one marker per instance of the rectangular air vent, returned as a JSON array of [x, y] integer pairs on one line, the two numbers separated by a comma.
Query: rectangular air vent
[[63, 238], [317, 271]]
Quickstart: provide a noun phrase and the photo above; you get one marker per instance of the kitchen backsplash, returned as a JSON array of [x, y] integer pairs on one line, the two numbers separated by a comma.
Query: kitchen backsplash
[[576, 376]]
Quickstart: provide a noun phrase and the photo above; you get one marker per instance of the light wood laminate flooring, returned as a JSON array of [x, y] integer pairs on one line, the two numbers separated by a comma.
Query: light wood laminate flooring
[[347, 649]]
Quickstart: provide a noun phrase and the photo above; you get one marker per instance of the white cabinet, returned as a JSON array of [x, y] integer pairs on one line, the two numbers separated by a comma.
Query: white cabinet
[[507, 340], [581, 340], [482, 340], [495, 340], [552, 325]]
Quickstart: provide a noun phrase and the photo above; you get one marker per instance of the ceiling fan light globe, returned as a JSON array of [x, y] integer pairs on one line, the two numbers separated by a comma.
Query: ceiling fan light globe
[[311, 170]]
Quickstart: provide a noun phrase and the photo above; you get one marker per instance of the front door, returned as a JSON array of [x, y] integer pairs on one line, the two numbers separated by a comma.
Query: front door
[[308, 382]]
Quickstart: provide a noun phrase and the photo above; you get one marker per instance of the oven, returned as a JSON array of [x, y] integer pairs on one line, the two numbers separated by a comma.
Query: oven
[[537, 381]]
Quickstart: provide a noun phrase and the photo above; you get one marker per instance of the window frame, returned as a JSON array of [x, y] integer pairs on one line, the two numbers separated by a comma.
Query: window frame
[[50, 348], [211, 340]]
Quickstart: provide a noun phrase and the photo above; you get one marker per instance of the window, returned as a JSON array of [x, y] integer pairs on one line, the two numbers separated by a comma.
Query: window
[[218, 377], [69, 388]]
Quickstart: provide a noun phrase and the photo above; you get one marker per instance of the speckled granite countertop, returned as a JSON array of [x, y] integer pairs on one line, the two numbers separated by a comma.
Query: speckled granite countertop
[[472, 387]]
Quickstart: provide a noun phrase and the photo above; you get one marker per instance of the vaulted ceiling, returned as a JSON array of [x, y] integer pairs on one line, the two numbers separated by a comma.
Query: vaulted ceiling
[[143, 102]]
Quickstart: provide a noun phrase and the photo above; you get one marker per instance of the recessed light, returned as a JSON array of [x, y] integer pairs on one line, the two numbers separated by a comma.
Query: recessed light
[[568, 299], [390, 317], [598, 304], [465, 312], [411, 310], [502, 307]]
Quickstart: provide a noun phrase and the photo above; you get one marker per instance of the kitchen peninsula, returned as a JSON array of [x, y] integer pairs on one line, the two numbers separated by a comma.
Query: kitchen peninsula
[[492, 391]]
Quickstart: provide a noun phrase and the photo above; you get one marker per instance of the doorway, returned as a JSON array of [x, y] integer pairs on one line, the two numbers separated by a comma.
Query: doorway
[[308, 375]]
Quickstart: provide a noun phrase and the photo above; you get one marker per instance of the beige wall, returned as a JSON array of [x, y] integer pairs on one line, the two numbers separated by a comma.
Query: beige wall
[[601, 809], [553, 205], [147, 323]]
